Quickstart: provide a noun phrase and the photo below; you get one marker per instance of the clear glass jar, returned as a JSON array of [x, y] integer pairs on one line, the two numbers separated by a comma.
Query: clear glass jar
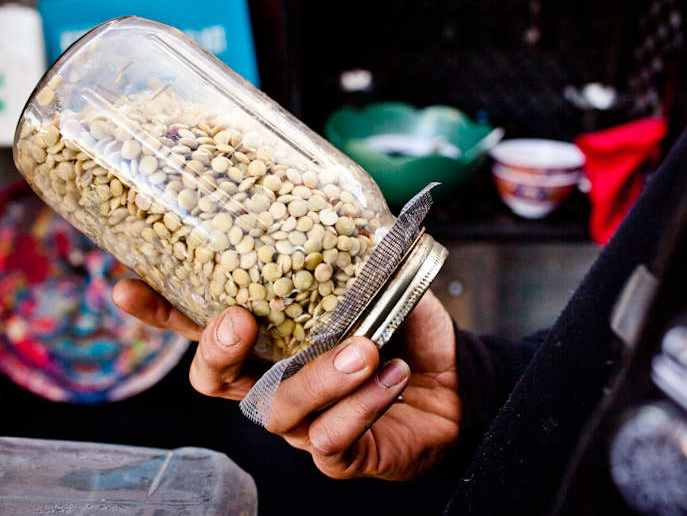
[[197, 181]]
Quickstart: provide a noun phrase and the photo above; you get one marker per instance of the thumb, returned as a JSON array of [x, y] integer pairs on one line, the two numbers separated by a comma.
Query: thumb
[[223, 347], [430, 337]]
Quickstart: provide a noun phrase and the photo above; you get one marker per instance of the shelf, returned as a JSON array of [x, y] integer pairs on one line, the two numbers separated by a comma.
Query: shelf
[[476, 213]]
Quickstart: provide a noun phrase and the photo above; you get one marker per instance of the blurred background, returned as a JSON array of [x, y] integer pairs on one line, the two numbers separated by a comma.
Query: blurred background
[[543, 119]]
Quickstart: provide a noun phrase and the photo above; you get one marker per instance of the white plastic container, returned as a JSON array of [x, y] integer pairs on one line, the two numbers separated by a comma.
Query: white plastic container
[[61, 477]]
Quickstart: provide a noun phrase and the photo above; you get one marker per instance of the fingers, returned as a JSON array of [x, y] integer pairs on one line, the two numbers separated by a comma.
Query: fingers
[[340, 426], [138, 299], [323, 382], [223, 347]]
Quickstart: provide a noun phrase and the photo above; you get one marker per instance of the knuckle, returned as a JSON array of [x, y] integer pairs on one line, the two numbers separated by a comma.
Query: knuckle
[[201, 385], [280, 420], [360, 409], [206, 353], [162, 315], [229, 376], [313, 380], [274, 426], [324, 439], [216, 358]]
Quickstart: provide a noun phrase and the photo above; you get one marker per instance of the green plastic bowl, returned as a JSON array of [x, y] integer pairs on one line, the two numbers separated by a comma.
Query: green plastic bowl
[[404, 148]]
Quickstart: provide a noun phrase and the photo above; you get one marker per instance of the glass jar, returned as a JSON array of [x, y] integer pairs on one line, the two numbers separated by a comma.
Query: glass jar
[[200, 183]]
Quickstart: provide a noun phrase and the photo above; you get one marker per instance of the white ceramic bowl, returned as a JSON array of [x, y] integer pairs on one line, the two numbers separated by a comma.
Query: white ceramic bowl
[[538, 157], [530, 196], [533, 176]]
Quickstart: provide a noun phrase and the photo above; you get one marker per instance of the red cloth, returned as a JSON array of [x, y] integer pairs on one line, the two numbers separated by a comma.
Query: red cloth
[[614, 160]]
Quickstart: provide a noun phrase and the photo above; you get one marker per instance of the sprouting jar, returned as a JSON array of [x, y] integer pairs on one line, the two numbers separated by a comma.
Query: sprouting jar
[[200, 183]]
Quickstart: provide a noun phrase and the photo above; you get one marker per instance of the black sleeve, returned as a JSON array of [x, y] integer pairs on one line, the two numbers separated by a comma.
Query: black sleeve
[[488, 368]]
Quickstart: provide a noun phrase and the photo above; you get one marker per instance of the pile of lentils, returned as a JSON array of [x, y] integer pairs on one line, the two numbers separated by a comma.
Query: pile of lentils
[[204, 216]]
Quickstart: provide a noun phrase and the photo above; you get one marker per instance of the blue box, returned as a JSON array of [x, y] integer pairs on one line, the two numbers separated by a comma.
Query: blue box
[[220, 26]]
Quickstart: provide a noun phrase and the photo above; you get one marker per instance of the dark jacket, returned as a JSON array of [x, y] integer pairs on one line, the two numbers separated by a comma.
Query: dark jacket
[[528, 401]]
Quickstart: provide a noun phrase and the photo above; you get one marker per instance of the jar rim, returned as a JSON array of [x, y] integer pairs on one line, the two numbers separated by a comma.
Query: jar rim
[[401, 292]]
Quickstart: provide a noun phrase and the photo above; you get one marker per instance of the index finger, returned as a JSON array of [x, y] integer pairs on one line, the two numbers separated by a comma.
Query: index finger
[[330, 377], [138, 299]]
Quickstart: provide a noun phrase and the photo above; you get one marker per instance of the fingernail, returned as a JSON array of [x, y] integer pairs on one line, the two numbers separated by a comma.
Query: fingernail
[[226, 336], [350, 359], [393, 373]]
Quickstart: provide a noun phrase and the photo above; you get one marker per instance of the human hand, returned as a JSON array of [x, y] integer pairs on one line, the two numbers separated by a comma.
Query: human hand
[[341, 408]]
